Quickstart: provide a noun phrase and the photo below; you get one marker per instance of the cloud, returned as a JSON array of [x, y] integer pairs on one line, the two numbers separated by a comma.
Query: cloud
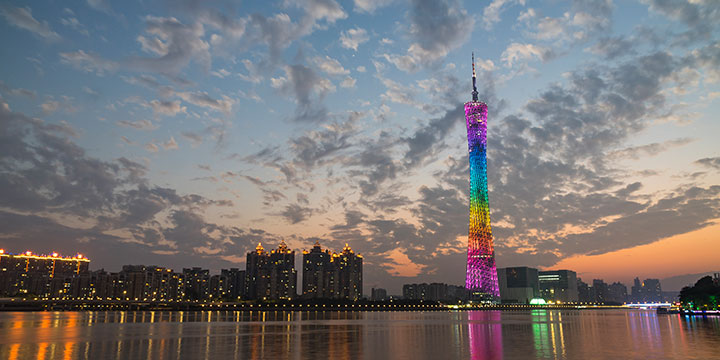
[[195, 139], [74, 23], [330, 66], [352, 38], [585, 20], [221, 73], [700, 17], [50, 107], [428, 138], [520, 53], [328, 10], [203, 99], [316, 147], [175, 45], [119, 214], [22, 18], [370, 6], [613, 47], [170, 108], [100, 5], [491, 14], [308, 89], [581, 205], [139, 124], [170, 144], [348, 82], [437, 27], [152, 147], [253, 75], [709, 162], [636, 152], [5, 89], [88, 62], [64, 104], [279, 31], [295, 213]]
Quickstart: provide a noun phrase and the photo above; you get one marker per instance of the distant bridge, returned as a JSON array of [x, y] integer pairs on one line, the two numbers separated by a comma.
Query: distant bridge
[[649, 305]]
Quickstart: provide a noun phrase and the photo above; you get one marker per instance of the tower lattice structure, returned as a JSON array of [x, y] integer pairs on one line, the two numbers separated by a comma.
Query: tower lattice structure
[[481, 275]]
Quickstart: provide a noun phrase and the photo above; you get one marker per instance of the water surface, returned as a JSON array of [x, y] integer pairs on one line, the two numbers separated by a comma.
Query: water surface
[[542, 334]]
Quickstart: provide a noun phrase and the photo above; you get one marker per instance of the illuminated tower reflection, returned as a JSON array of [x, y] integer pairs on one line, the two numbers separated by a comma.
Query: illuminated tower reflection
[[485, 332]]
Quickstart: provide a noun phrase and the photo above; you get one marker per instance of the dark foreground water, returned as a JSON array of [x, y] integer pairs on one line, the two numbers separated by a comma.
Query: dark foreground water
[[542, 334]]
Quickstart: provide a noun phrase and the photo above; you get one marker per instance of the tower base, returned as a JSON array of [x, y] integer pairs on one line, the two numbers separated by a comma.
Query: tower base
[[478, 297]]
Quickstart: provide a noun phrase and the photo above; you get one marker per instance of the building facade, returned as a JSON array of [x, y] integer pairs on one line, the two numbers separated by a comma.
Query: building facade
[[558, 285], [646, 291], [329, 275], [235, 283], [257, 274], [617, 293], [378, 294], [347, 275], [283, 276], [148, 283], [317, 273], [46, 276], [435, 292], [518, 284], [271, 275], [197, 283]]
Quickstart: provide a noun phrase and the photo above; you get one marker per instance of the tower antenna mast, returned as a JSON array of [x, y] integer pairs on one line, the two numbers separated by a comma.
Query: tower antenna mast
[[474, 92]]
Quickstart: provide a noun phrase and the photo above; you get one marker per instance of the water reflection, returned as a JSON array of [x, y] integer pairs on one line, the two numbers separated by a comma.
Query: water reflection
[[548, 334], [486, 335], [485, 332]]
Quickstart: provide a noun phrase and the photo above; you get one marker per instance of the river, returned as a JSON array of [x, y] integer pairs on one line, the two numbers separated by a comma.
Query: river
[[541, 334]]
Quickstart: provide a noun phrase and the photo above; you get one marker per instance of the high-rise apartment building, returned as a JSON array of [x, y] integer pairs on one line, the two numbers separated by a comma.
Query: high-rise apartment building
[[42, 275], [235, 283], [317, 273], [329, 275], [617, 293], [150, 283], [646, 291], [271, 275], [283, 276], [197, 283], [257, 274], [347, 274], [378, 294], [600, 292]]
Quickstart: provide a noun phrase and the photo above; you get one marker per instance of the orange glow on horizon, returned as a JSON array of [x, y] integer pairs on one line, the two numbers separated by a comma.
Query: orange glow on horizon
[[689, 253]]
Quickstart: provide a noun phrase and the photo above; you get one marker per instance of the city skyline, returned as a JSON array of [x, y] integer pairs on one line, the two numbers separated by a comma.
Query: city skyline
[[319, 278], [184, 134]]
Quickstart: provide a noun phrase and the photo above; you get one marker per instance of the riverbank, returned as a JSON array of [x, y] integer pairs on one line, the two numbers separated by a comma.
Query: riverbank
[[113, 305]]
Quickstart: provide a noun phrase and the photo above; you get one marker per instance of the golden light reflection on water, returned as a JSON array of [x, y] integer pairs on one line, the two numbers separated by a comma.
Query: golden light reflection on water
[[485, 335]]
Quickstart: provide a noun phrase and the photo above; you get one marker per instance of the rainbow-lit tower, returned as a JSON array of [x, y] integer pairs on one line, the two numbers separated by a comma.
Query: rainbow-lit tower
[[481, 276]]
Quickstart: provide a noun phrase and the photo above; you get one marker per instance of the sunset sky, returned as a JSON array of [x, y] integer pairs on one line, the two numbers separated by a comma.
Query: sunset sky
[[182, 133]]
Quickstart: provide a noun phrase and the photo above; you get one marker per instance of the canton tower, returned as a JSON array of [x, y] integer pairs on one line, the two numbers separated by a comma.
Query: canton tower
[[481, 276]]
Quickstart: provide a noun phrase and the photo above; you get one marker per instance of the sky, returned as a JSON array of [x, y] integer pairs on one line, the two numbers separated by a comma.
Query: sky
[[182, 133]]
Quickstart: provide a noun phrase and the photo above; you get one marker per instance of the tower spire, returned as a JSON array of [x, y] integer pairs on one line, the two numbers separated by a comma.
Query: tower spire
[[474, 92]]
